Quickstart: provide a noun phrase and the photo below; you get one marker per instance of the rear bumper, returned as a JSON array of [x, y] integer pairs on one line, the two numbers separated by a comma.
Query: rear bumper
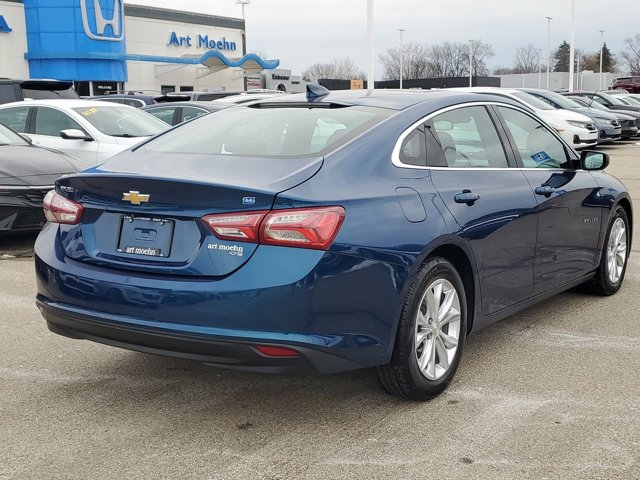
[[339, 311], [242, 355]]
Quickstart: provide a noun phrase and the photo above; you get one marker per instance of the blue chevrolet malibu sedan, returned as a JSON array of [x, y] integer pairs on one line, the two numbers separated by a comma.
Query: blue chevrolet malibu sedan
[[334, 231]]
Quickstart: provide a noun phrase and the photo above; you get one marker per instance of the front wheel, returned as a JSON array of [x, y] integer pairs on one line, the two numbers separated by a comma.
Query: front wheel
[[613, 264], [430, 336]]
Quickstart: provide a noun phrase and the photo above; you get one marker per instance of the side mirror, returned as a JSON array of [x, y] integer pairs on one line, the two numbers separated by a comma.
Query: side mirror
[[26, 138], [590, 160], [75, 134]]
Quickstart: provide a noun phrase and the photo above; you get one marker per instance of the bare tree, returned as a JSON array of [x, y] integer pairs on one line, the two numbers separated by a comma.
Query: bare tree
[[452, 59], [415, 62], [527, 59], [631, 56], [344, 69], [481, 53]]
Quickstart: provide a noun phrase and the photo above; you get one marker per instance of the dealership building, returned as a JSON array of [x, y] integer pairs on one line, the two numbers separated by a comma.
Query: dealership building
[[105, 45]]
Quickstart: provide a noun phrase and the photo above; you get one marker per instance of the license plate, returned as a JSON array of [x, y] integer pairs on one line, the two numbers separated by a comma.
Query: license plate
[[146, 236]]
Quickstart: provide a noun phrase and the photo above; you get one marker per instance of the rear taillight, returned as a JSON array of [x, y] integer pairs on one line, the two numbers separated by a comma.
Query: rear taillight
[[59, 209], [302, 227], [314, 228], [239, 227]]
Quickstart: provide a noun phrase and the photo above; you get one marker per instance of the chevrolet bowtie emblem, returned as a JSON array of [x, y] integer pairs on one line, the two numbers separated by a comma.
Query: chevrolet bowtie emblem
[[135, 197]]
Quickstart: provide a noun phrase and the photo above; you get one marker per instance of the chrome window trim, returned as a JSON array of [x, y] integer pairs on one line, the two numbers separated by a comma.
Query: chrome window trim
[[27, 187], [395, 155]]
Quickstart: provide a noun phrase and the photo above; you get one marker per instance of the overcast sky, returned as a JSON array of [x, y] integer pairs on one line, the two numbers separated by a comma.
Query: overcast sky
[[302, 32]]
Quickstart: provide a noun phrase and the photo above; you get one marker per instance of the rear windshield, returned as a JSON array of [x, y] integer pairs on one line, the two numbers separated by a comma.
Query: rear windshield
[[533, 101], [34, 94], [269, 132]]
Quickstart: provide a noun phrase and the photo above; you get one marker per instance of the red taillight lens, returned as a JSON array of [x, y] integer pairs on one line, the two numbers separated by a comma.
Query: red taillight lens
[[272, 351], [239, 227], [302, 227], [59, 209], [296, 227]]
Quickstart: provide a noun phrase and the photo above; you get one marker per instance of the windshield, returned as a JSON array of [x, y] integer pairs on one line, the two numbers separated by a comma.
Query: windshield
[[9, 137], [277, 130], [612, 99], [632, 100], [532, 101], [561, 100], [122, 121]]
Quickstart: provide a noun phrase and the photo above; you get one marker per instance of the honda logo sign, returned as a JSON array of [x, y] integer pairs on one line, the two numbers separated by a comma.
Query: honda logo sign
[[97, 30]]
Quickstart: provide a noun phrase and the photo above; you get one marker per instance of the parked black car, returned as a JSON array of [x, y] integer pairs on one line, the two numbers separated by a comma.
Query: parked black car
[[133, 99], [15, 90], [174, 113], [27, 173]]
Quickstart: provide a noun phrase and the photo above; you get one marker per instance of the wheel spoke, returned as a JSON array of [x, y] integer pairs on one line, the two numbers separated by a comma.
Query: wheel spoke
[[422, 320], [452, 314], [448, 340], [431, 364], [442, 353], [427, 353], [432, 305], [445, 306], [421, 335]]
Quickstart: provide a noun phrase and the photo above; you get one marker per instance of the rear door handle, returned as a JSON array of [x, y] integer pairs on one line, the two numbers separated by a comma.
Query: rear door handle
[[467, 196], [545, 190]]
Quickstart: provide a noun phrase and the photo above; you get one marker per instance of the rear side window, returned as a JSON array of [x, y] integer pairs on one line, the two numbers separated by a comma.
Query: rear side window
[[15, 118], [8, 93], [163, 113], [278, 131], [468, 139], [189, 113]]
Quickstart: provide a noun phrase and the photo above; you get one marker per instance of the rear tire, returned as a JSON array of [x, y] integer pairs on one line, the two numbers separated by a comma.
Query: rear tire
[[431, 334], [615, 253]]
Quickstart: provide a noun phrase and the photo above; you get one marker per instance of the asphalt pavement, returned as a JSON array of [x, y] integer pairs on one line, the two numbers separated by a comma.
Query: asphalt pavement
[[550, 393]]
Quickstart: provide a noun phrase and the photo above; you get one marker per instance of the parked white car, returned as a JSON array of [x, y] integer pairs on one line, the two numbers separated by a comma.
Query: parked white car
[[576, 129], [90, 131]]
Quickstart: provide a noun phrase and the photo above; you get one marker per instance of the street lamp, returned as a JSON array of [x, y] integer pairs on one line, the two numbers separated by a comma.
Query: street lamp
[[401, 70], [572, 48], [548, 48], [471, 63], [243, 3], [601, 49], [370, 72]]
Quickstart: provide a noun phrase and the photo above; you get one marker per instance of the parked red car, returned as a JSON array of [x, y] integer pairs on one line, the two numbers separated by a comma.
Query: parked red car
[[630, 84]]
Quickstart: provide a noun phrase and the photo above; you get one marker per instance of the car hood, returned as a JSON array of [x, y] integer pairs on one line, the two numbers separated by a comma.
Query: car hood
[[129, 141], [30, 165], [567, 115], [593, 114]]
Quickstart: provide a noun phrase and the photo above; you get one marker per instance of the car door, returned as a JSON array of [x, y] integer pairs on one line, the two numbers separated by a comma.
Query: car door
[[490, 199], [569, 220], [47, 125]]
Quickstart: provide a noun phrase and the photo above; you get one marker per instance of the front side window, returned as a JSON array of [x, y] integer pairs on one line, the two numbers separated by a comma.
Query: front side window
[[15, 118], [537, 146], [51, 122], [467, 138], [189, 113], [163, 113]]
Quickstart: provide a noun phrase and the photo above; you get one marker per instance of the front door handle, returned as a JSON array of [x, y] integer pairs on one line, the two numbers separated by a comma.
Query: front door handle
[[467, 196], [545, 190]]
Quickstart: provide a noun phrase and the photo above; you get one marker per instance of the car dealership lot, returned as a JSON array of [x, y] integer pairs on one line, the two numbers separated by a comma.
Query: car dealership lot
[[552, 392]]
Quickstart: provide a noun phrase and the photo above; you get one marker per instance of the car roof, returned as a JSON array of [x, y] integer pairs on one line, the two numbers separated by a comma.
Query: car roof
[[65, 103], [390, 99]]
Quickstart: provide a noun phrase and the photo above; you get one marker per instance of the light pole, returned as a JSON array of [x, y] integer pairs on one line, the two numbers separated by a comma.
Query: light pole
[[370, 85], [572, 48], [601, 49], [539, 68], [471, 63], [401, 52], [548, 48], [243, 3]]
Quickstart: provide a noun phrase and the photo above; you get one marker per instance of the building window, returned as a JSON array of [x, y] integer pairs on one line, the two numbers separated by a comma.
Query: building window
[[186, 88], [167, 88]]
